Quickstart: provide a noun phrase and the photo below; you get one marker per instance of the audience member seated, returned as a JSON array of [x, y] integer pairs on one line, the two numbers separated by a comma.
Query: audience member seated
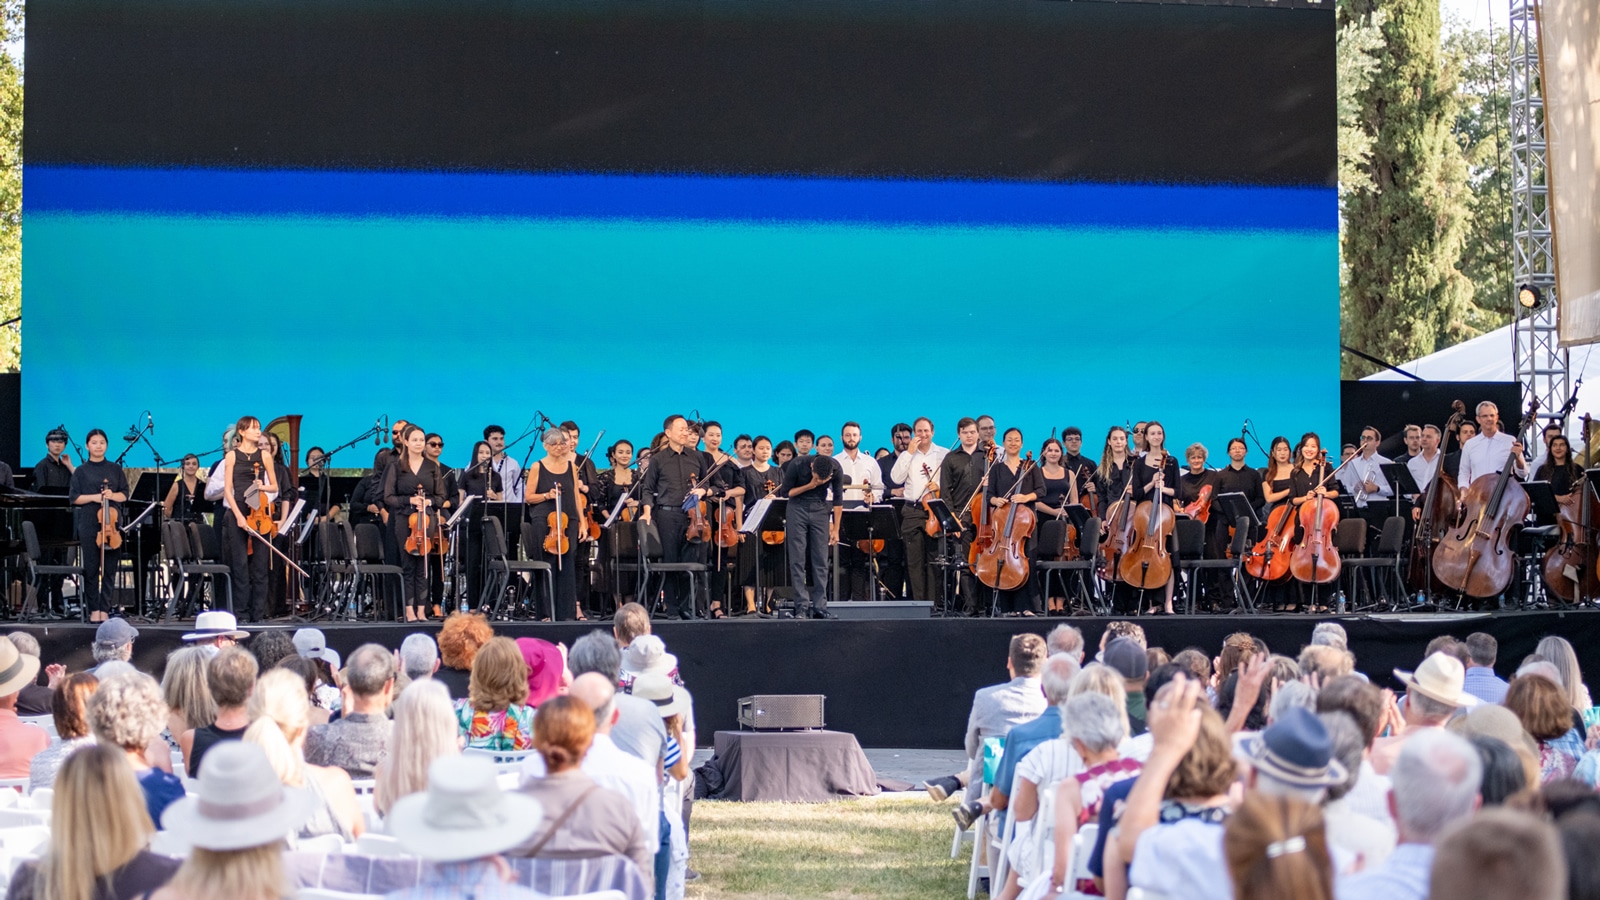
[[184, 688], [495, 714], [1541, 706], [1243, 698], [215, 630], [582, 819], [280, 712], [1056, 679], [1277, 849], [230, 677], [1436, 778], [1500, 853], [419, 659], [547, 669], [1371, 709], [99, 826], [1330, 634], [1580, 834], [672, 703], [1481, 682], [463, 824], [113, 642], [236, 825], [1170, 834], [1503, 775], [360, 738], [1065, 639], [1325, 663], [1359, 839], [126, 711], [1433, 694], [1131, 662], [996, 710], [34, 698], [310, 674], [19, 741], [272, 647], [460, 638], [631, 621], [70, 702], [639, 730], [424, 730], [1558, 650], [1495, 721], [605, 762]]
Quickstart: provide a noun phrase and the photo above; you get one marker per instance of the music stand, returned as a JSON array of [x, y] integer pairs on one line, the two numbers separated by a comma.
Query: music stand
[[508, 513], [1401, 482], [152, 485], [1545, 505], [1237, 506], [768, 514], [942, 515]]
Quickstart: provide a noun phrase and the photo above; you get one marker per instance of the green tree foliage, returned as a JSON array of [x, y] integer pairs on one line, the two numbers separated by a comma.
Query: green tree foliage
[[11, 187], [1481, 59], [1359, 44], [1403, 295]]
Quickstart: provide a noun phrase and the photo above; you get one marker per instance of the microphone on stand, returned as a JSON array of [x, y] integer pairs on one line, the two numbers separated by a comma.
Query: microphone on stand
[[132, 435], [377, 432], [152, 421]]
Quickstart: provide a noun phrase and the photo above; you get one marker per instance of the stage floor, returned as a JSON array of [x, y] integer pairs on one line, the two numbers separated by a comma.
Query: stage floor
[[909, 683]]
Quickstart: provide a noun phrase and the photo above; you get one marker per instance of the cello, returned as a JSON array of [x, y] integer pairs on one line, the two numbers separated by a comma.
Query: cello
[[1146, 563], [1315, 560], [981, 512], [1437, 514], [1268, 560], [1003, 564], [1475, 557], [1570, 566]]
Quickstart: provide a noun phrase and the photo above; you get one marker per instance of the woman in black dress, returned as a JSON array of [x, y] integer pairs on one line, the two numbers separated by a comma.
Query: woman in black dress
[[611, 485], [95, 480], [1012, 481], [412, 483], [761, 478], [1145, 484], [1055, 486], [478, 479], [553, 475], [186, 500], [252, 481], [1116, 464]]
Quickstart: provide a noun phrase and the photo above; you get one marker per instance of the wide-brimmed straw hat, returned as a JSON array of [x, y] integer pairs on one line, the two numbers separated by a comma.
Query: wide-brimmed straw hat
[[669, 699], [238, 802], [648, 655], [1440, 677], [463, 814], [214, 624], [17, 669]]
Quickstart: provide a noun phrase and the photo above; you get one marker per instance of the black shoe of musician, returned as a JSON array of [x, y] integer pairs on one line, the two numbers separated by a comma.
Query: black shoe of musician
[[967, 813], [819, 614], [686, 615]]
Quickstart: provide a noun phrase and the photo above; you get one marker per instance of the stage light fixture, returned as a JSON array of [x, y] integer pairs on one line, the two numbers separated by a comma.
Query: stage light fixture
[[1530, 298]]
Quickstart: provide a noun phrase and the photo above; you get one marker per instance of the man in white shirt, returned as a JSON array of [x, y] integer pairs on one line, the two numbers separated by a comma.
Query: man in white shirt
[[1362, 478], [861, 473], [609, 765], [509, 469], [1486, 454], [917, 468], [1425, 464]]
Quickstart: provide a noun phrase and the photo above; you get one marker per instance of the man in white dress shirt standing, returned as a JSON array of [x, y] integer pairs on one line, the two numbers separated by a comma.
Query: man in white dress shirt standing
[[917, 469], [1486, 453]]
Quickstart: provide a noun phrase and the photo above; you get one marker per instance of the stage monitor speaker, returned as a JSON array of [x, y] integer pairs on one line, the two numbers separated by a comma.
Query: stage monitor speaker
[[780, 712]]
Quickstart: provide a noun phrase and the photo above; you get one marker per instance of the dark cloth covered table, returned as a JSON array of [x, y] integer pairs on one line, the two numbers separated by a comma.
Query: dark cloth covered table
[[802, 766]]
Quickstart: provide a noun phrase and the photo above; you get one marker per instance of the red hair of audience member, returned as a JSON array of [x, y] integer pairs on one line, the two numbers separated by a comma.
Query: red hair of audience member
[[562, 732], [460, 639]]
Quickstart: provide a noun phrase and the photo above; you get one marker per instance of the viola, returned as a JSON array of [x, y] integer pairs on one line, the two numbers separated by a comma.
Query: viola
[[1315, 560], [931, 527], [419, 542], [1003, 564], [1437, 515], [556, 541], [1147, 564], [1201, 507], [1475, 558], [109, 537], [771, 538]]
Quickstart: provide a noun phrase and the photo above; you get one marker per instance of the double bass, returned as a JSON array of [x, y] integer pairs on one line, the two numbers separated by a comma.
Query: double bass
[[1437, 514], [1475, 557], [1003, 563], [1315, 560], [1570, 569], [1146, 563]]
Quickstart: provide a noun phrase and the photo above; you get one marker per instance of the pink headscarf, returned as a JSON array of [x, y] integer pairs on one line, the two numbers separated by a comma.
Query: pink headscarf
[[545, 669]]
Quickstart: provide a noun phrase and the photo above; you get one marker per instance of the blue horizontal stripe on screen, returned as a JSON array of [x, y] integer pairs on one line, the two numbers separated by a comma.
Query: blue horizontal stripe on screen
[[228, 192]]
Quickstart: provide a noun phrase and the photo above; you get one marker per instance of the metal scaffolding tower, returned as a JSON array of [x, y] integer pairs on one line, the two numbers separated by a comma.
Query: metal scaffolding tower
[[1540, 362]]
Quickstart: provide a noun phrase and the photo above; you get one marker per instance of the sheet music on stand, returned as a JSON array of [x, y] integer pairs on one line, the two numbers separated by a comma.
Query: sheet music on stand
[[615, 511], [294, 513], [462, 511]]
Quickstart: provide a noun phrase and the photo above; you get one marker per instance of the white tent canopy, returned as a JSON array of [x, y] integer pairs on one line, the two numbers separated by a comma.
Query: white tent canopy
[[1487, 357]]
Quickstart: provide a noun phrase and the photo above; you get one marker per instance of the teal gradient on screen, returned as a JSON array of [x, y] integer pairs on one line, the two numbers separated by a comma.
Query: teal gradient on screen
[[458, 321]]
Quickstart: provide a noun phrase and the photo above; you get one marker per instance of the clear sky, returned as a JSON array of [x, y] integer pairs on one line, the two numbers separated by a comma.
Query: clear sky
[[1477, 13]]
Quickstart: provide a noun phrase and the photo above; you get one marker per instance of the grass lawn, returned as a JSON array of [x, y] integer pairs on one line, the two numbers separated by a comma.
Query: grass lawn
[[875, 847]]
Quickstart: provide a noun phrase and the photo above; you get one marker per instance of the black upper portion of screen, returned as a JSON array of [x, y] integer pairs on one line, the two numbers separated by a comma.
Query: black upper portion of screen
[[1008, 89]]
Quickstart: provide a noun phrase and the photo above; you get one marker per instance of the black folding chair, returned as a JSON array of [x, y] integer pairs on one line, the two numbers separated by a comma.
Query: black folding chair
[[367, 562], [38, 571], [1084, 584], [1189, 536], [502, 565], [194, 573]]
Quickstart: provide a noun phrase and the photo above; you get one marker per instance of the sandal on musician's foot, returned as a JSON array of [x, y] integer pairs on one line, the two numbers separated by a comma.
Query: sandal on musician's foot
[[410, 616]]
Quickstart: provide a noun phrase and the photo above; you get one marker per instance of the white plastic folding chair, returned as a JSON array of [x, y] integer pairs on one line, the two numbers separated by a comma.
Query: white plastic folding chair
[[1078, 864], [599, 895], [979, 867], [21, 818], [25, 839], [48, 723], [363, 785], [370, 844], [20, 785], [323, 894], [323, 843], [501, 758], [43, 798]]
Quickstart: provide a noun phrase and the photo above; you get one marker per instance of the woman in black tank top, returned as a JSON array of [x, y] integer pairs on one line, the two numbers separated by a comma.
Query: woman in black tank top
[[249, 477], [556, 472], [410, 471]]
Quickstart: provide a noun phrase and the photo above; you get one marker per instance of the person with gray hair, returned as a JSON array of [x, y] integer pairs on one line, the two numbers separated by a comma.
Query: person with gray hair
[[1066, 639], [1434, 693], [1436, 781], [419, 656], [113, 641], [1294, 693], [1330, 634], [638, 729], [1357, 841], [1056, 680], [359, 739], [34, 699]]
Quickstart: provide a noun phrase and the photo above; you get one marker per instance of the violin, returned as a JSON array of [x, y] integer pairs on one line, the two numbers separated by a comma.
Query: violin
[[728, 521], [1003, 564], [419, 543], [1315, 560], [771, 538], [1438, 512], [259, 518], [1201, 507], [556, 541], [108, 537], [1146, 563], [1475, 558], [931, 527], [869, 546], [699, 530]]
